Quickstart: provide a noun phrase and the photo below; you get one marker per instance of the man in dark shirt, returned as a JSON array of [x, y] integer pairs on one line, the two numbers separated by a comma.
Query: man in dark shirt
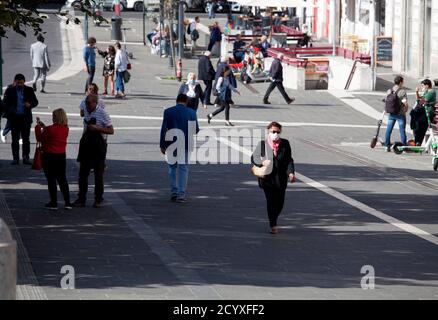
[[19, 100], [238, 51], [276, 78], [206, 73]]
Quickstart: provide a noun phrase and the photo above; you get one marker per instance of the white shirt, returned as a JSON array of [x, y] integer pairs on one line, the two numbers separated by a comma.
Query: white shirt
[[121, 60]]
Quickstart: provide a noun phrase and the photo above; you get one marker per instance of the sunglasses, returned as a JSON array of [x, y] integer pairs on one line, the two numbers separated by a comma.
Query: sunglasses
[[276, 132]]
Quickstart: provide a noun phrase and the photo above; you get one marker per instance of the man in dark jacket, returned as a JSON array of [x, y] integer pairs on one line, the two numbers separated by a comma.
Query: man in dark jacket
[[206, 73], [19, 100], [215, 36], [276, 78]]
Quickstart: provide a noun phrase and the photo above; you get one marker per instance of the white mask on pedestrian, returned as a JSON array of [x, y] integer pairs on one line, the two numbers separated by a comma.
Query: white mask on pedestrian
[[274, 136]]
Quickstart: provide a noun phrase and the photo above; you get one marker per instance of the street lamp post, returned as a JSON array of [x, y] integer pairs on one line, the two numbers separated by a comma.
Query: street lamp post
[[144, 24], [181, 33], [373, 43], [86, 26], [333, 25], [1, 68]]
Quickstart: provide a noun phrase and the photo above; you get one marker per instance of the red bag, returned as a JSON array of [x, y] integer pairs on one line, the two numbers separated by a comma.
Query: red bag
[[37, 158], [128, 66]]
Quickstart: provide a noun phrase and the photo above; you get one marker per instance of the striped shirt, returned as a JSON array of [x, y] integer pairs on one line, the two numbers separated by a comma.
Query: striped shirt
[[100, 103], [103, 119]]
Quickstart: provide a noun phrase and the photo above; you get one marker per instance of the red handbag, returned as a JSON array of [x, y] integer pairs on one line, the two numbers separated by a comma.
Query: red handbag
[[128, 66], [37, 158]]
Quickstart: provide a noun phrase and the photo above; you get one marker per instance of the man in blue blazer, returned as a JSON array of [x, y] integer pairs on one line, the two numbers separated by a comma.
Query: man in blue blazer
[[276, 78], [179, 126]]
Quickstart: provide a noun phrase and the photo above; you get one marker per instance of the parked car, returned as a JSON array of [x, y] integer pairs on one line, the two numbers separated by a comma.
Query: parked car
[[106, 4], [223, 6]]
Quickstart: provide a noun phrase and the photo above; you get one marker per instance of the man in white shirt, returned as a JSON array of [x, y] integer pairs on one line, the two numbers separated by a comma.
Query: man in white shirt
[[40, 62], [121, 65]]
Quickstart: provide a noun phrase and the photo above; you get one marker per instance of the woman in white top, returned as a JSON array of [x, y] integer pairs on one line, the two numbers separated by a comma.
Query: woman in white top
[[192, 89], [120, 65], [224, 89]]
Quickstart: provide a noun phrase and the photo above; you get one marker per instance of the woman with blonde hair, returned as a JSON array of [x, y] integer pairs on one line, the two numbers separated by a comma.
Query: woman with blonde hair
[[54, 143]]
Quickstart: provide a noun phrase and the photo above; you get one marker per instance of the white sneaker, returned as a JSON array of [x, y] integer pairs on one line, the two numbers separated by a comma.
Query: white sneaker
[[20, 142]]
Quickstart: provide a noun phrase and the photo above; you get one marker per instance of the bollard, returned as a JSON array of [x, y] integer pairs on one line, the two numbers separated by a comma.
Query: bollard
[[8, 264], [116, 28]]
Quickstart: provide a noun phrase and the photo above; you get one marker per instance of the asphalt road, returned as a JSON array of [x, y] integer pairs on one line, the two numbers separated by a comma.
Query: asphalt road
[[16, 50]]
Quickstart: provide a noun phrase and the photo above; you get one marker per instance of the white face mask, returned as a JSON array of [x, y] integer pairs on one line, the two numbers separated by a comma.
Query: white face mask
[[274, 136]]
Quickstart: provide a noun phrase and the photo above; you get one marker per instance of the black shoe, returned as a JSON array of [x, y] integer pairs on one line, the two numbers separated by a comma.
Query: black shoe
[[78, 203], [209, 117], [229, 124], [209, 104], [173, 198], [27, 162], [43, 91], [266, 102], [51, 206], [98, 204], [15, 162], [388, 148], [181, 200], [290, 101], [34, 87], [68, 206]]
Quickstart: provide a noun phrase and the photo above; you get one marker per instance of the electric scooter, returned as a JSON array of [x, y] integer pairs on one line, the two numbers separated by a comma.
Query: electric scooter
[[429, 145], [130, 54], [376, 137]]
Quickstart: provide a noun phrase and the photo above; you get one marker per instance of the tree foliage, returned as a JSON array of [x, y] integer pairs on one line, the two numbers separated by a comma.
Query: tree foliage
[[19, 15]]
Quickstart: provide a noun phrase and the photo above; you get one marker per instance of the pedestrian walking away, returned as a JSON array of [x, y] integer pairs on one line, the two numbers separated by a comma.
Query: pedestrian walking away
[[92, 151], [121, 67], [206, 73], [90, 60], [397, 106], [19, 100], [54, 143], [192, 89], [224, 89], [215, 36], [177, 156], [40, 62], [275, 155], [276, 78], [108, 68]]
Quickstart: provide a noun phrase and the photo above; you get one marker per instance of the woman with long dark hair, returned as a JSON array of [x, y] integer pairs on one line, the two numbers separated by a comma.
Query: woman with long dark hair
[[275, 153], [224, 89]]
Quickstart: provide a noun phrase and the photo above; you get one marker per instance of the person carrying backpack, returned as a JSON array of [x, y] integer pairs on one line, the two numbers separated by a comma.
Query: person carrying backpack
[[396, 105]]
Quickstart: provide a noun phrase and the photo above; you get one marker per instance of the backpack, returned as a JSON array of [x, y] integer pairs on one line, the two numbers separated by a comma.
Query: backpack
[[195, 35], [392, 103]]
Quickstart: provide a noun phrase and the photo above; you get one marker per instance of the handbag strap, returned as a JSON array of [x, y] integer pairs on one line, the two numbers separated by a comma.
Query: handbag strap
[[263, 146]]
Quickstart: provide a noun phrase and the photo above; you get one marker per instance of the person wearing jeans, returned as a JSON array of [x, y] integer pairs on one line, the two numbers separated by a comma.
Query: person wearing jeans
[[120, 65], [178, 121], [400, 117], [90, 60], [401, 120]]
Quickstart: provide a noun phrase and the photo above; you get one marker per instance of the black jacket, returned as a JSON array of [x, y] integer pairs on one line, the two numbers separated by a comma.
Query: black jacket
[[92, 148], [205, 69], [283, 164], [10, 102], [276, 71], [193, 102]]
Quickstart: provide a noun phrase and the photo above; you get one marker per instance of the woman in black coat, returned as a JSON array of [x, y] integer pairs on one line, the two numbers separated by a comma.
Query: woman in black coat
[[274, 184], [192, 89]]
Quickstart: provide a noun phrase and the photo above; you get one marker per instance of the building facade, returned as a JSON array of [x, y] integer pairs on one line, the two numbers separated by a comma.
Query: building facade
[[413, 24]]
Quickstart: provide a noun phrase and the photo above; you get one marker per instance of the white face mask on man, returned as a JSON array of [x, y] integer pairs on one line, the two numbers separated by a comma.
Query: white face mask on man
[[274, 136]]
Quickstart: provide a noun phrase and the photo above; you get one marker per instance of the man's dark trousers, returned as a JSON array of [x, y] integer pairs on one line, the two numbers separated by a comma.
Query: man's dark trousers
[[279, 85], [91, 71], [84, 172], [20, 128], [207, 92]]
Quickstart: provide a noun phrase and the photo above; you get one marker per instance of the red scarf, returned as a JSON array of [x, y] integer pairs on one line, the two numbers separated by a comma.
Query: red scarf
[[274, 145]]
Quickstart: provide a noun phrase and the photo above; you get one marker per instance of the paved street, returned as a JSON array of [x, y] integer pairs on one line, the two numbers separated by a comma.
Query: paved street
[[352, 206]]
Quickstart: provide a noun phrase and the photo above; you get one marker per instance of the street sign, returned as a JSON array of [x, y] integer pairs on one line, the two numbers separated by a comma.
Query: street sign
[[383, 49]]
